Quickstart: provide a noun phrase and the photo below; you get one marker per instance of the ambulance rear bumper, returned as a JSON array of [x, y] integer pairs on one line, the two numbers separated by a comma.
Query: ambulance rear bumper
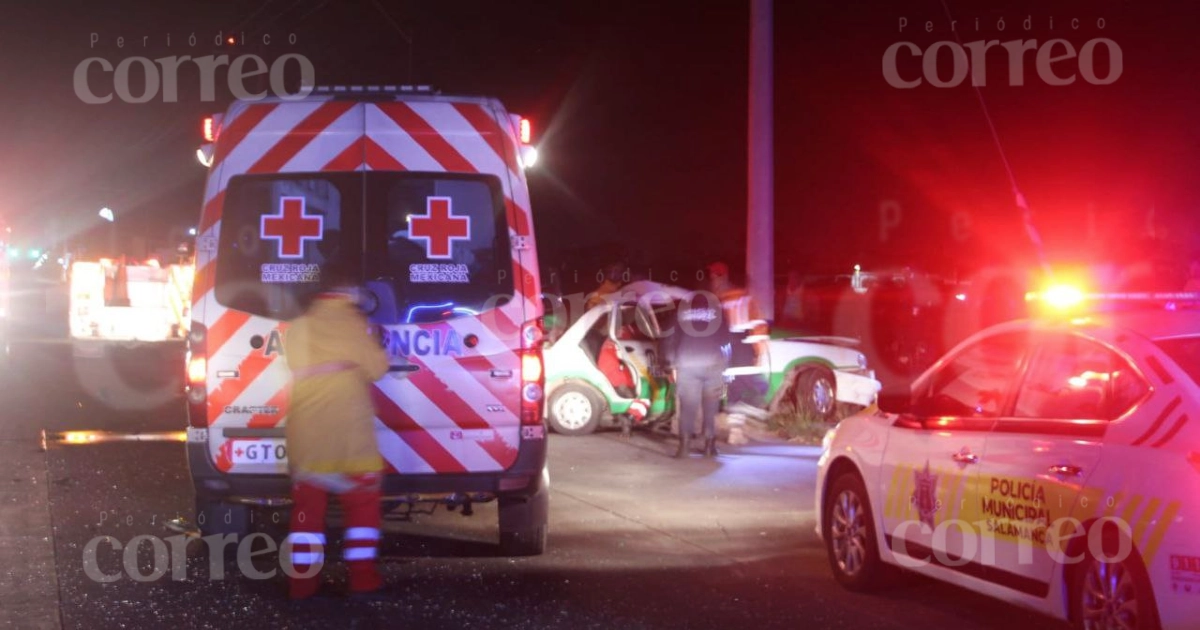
[[525, 478]]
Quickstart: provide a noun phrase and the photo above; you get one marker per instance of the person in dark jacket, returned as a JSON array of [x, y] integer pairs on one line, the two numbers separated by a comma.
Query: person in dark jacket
[[698, 351]]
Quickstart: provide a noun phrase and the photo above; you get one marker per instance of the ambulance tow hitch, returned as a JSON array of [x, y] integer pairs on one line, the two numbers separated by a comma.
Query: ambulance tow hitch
[[458, 499]]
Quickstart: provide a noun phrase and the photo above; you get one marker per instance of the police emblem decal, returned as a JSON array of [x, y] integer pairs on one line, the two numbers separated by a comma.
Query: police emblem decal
[[924, 495]]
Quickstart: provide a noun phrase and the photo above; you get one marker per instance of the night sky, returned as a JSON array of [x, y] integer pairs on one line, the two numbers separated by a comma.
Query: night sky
[[640, 111]]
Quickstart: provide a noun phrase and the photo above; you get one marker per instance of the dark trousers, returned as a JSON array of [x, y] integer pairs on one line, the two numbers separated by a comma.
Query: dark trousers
[[699, 397]]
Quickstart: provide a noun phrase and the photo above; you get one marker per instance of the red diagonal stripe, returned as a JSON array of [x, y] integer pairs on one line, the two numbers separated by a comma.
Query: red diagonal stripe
[[480, 367], [347, 160], [517, 218], [225, 327], [238, 129], [228, 391], [447, 399], [203, 282], [299, 137], [459, 411], [485, 125], [1162, 417], [262, 420], [526, 282], [212, 212], [428, 137], [414, 434], [1171, 433], [380, 160]]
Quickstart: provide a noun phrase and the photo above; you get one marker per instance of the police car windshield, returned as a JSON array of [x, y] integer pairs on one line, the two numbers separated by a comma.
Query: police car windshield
[[1186, 352]]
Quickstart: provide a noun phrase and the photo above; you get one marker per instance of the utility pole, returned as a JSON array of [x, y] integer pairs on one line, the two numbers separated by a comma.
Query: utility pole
[[760, 222]]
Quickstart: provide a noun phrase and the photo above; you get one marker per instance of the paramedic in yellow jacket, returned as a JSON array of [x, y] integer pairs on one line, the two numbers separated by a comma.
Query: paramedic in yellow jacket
[[331, 437]]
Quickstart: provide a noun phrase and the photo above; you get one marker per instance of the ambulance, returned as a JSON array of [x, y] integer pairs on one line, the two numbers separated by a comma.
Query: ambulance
[[424, 195], [1051, 462]]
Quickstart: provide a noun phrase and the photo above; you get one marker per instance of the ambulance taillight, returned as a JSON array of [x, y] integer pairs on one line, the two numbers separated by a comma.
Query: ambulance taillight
[[526, 131], [212, 127], [533, 373], [527, 153], [197, 375]]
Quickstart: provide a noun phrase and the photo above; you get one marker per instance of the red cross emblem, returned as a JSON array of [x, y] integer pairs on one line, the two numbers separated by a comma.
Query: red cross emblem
[[439, 228], [291, 227]]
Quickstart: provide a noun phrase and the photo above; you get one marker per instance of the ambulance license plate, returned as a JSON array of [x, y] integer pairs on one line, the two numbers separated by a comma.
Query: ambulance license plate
[[264, 451]]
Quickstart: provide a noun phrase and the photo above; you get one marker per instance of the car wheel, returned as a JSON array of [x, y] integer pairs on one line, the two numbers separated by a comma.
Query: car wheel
[[850, 535], [574, 410], [524, 524], [524, 542], [814, 393], [1113, 594], [219, 517]]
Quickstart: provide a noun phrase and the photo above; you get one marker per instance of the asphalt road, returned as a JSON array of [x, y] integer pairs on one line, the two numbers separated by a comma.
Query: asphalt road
[[637, 540]]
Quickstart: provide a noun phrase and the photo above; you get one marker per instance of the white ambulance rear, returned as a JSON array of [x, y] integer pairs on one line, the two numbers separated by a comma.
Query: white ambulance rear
[[425, 196]]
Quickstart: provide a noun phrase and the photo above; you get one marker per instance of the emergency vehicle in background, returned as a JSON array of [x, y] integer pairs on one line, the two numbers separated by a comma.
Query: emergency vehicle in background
[[1050, 462], [424, 196], [117, 300], [5, 298]]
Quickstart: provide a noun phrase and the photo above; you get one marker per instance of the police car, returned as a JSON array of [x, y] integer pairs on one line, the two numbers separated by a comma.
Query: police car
[[425, 196], [1051, 462]]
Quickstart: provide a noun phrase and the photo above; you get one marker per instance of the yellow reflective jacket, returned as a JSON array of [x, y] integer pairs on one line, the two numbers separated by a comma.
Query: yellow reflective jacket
[[331, 419]]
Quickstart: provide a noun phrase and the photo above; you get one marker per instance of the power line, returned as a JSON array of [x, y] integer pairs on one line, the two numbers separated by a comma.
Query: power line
[[260, 9], [407, 37], [1022, 203]]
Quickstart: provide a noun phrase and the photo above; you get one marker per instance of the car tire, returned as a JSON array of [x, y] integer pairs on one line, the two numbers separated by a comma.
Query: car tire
[[525, 542], [1096, 584], [849, 533], [574, 409], [814, 393], [219, 517], [524, 524]]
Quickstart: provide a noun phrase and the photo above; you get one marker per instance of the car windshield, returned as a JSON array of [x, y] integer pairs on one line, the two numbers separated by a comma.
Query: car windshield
[[1185, 351]]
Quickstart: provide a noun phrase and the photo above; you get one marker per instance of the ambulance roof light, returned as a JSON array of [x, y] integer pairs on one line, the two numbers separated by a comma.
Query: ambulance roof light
[[359, 89]]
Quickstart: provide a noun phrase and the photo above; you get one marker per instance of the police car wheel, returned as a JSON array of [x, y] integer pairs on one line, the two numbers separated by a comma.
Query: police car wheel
[[1113, 594], [850, 535], [815, 393], [574, 410]]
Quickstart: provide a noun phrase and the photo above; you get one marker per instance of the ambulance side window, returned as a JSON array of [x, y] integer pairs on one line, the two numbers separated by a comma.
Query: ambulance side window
[[976, 382], [1072, 378]]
